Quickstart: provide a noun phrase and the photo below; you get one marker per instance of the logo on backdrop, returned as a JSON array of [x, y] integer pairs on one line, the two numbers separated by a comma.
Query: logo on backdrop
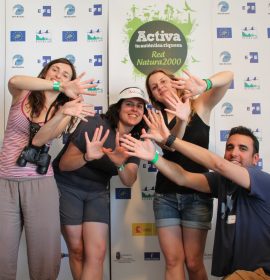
[[17, 36], [122, 193], [251, 83], [69, 11], [46, 11], [71, 58], [98, 109], [17, 61], [268, 32], [18, 10], [158, 44], [148, 193], [96, 60], [227, 109], [94, 35], [150, 167], [44, 60], [96, 10], [158, 39], [223, 7], [255, 108], [224, 135], [249, 33], [43, 36], [123, 257], [98, 88], [69, 36], [152, 256], [144, 229], [224, 32], [225, 58], [252, 57], [250, 8]]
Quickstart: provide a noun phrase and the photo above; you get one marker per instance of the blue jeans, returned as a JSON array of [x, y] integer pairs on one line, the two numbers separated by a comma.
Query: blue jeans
[[188, 210]]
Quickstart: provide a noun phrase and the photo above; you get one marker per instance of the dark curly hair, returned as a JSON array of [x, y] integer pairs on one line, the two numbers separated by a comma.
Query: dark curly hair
[[112, 115]]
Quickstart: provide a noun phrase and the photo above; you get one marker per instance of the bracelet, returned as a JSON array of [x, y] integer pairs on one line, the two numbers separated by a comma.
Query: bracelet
[[84, 158], [155, 159], [121, 167], [171, 138], [56, 86], [208, 84]]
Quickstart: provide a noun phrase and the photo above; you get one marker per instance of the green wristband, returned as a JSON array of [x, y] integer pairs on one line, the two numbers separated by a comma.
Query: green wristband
[[208, 84], [121, 167], [56, 86], [155, 159]]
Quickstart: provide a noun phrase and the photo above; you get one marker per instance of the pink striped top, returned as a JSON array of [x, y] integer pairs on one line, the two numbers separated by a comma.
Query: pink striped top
[[16, 137]]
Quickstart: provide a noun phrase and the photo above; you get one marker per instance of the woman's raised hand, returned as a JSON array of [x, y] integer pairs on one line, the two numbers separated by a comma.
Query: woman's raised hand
[[192, 85], [77, 108], [138, 148], [77, 87], [157, 127], [94, 147]]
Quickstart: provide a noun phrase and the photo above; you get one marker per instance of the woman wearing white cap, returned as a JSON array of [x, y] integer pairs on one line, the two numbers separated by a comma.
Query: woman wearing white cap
[[83, 170]]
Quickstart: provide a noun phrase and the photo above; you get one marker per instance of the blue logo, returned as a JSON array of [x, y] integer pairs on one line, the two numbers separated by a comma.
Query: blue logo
[[46, 11], [253, 57], [151, 256], [225, 57], [224, 32], [227, 108], [18, 10], [223, 6], [44, 60], [150, 167], [250, 8], [122, 193], [97, 61], [69, 36], [268, 32], [232, 85], [98, 109], [17, 36], [69, 10], [17, 60], [256, 108], [71, 58], [97, 10], [224, 135]]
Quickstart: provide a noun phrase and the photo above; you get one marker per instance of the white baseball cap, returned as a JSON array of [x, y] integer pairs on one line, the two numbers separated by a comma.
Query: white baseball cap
[[132, 92]]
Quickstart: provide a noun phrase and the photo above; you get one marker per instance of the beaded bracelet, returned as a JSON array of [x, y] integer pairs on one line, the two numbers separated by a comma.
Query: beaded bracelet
[[155, 159], [208, 84], [56, 86]]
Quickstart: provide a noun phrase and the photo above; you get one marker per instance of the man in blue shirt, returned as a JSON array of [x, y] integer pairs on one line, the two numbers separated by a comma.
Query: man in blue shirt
[[242, 236]]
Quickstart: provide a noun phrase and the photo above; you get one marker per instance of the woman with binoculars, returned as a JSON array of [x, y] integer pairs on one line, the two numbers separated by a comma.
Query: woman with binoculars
[[28, 193]]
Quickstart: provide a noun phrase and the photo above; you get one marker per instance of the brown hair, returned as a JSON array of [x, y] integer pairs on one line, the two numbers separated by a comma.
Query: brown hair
[[36, 99], [155, 103]]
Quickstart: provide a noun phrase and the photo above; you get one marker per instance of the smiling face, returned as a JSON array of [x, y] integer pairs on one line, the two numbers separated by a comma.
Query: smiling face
[[240, 150], [160, 86], [59, 72], [131, 112]]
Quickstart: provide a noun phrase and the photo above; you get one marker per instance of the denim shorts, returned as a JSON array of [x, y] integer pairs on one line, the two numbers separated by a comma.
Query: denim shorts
[[78, 206], [188, 210]]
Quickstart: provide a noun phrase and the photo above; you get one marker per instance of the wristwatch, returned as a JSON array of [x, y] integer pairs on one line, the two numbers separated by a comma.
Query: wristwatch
[[171, 138]]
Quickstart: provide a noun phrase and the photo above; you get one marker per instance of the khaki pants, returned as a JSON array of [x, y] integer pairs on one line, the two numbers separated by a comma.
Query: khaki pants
[[34, 205], [258, 274]]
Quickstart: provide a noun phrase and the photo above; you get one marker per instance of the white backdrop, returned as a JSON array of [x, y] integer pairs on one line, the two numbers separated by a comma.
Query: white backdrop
[[225, 35]]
